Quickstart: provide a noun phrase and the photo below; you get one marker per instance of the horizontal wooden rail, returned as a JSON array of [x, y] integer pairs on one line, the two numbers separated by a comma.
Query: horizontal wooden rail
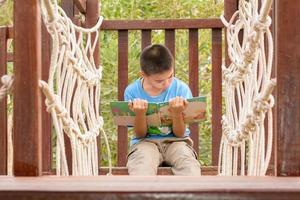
[[158, 24]]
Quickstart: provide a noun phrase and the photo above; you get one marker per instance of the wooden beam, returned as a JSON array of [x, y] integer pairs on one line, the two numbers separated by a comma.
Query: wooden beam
[[122, 84], [205, 170], [27, 95], [216, 94], [287, 59], [161, 24], [151, 187]]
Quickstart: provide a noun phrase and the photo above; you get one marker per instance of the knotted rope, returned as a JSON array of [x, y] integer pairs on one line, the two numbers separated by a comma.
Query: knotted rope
[[73, 91], [248, 92]]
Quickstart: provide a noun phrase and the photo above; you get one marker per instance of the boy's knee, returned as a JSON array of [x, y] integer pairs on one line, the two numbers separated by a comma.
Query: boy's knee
[[143, 159], [183, 159]]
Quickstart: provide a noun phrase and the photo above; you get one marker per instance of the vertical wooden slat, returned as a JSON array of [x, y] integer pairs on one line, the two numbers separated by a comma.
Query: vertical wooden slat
[[230, 6], [216, 93], [122, 83], [170, 40], [68, 6], [46, 118], [194, 79], [27, 95], [146, 38], [287, 59], [3, 104]]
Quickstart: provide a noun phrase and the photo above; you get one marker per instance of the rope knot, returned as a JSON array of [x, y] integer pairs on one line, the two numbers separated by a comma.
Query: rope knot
[[262, 25]]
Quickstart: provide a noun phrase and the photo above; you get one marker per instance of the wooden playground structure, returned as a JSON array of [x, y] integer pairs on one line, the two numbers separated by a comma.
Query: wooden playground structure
[[33, 175]]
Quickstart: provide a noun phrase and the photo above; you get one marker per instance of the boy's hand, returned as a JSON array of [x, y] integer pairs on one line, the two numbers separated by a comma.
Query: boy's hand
[[177, 105], [138, 106]]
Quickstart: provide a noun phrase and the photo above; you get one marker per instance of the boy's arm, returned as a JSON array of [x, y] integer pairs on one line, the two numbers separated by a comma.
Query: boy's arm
[[177, 106], [139, 107]]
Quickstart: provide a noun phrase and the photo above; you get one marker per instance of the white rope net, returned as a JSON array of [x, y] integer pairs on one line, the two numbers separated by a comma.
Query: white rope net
[[247, 122], [73, 91], [7, 86]]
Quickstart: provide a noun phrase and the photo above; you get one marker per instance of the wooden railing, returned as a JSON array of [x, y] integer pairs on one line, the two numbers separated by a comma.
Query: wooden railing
[[170, 27]]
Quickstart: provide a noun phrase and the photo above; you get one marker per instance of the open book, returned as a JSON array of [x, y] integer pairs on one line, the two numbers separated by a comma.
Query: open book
[[158, 113]]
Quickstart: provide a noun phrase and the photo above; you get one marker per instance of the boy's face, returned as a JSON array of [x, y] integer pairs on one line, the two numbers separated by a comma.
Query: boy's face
[[160, 80]]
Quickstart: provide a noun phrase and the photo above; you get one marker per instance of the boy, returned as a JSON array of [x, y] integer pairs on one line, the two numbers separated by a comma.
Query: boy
[[154, 145]]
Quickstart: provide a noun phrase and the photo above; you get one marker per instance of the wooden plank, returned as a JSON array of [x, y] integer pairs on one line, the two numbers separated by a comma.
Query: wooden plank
[[170, 40], [287, 54], [194, 79], [46, 118], [27, 95], [161, 24], [3, 103], [216, 93], [81, 5], [152, 187], [206, 171], [146, 38], [122, 84]]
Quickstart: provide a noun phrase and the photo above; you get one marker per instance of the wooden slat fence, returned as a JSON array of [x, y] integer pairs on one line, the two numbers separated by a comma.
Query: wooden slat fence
[[170, 27]]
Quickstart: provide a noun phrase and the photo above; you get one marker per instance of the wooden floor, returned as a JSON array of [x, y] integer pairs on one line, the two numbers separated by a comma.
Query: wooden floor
[[157, 187]]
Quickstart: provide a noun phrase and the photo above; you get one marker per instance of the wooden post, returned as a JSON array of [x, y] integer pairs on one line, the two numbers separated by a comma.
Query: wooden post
[[46, 118], [122, 147], [287, 59], [216, 94], [230, 6], [27, 95], [3, 103]]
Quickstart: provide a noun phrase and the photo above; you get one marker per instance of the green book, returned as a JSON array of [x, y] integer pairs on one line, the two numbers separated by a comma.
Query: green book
[[158, 113]]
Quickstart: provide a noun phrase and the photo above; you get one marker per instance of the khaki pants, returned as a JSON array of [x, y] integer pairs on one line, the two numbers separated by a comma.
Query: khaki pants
[[145, 157]]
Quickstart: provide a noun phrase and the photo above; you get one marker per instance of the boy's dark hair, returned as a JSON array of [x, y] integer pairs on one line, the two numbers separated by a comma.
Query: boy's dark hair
[[156, 58]]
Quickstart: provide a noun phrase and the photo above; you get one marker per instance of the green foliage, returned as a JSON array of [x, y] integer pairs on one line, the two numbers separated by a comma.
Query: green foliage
[[6, 13]]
